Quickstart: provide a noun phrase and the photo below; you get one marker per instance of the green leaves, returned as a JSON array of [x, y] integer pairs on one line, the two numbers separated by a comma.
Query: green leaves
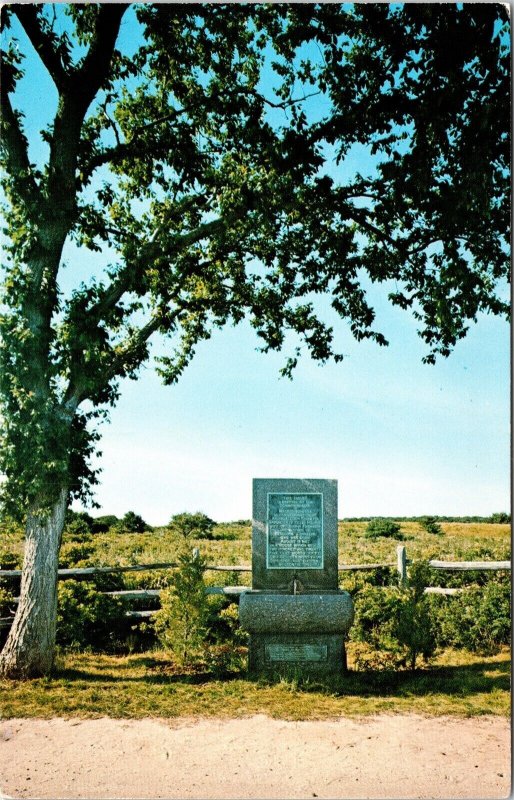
[[208, 165]]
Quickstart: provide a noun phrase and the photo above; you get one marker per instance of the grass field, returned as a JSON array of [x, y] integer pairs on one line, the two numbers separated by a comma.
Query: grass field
[[148, 684], [232, 544]]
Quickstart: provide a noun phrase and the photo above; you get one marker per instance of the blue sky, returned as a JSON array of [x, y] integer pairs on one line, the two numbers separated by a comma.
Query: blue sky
[[401, 438]]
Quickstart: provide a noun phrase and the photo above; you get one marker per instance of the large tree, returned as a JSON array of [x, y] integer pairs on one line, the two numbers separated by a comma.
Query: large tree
[[202, 166]]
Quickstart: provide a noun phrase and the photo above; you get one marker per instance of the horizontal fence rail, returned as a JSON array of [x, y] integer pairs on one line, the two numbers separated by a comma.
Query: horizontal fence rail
[[235, 591], [79, 571], [460, 566]]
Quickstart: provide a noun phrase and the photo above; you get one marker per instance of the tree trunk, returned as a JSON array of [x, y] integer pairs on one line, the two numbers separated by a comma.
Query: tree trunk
[[30, 647]]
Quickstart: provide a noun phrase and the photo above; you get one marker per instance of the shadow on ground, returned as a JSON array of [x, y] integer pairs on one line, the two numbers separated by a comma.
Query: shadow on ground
[[462, 680]]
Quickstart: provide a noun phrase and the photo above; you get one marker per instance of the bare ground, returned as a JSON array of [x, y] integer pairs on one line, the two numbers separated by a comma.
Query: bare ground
[[385, 756]]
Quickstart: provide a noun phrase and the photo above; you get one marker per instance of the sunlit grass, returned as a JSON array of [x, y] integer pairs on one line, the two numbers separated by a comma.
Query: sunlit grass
[[232, 544], [459, 541], [136, 686]]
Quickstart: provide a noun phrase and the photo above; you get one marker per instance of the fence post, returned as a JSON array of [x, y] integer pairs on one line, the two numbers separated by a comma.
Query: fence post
[[401, 556]]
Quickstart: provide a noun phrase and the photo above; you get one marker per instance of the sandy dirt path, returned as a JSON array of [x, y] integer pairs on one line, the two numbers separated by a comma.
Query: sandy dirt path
[[386, 756]]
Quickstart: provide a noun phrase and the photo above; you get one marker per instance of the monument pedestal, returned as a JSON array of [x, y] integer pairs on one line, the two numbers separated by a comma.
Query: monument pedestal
[[296, 615], [292, 631], [311, 654]]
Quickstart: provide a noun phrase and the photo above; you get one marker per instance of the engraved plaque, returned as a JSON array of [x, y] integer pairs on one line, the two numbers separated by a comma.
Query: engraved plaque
[[294, 530], [296, 652]]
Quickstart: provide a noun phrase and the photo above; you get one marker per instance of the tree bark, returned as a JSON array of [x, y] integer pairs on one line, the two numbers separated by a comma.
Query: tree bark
[[30, 647]]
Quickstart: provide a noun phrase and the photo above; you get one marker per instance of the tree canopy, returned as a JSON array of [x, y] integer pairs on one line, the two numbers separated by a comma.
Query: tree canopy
[[206, 163]]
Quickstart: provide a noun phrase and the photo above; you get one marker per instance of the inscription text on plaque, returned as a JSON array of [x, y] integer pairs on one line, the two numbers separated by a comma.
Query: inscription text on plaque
[[296, 652], [294, 531]]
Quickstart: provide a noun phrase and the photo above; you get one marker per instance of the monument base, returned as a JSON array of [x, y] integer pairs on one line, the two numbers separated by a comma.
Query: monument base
[[296, 653]]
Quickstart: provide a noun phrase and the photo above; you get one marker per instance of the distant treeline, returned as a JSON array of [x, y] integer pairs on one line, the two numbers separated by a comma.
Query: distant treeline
[[500, 517], [132, 522]]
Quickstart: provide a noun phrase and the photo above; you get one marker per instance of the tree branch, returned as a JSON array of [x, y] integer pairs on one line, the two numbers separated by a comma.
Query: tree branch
[[130, 272], [122, 283], [372, 228], [134, 344], [291, 101], [80, 89], [42, 42], [14, 144], [128, 148], [87, 79], [125, 358]]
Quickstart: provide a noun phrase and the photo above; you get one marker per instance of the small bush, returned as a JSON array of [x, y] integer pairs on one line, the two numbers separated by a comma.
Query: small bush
[[431, 525], [375, 609], [77, 522], [478, 619], [104, 524], [86, 618], [414, 626], [181, 624], [9, 560], [221, 659], [73, 553], [383, 527], [501, 518], [229, 617], [367, 659], [192, 526], [7, 604], [397, 621], [133, 523], [77, 529]]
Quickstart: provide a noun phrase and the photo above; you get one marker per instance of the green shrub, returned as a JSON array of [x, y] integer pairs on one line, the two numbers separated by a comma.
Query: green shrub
[[367, 659], [375, 610], [478, 619], [86, 618], [104, 524], [73, 553], [181, 624], [10, 527], [7, 604], [133, 523], [9, 560], [221, 659], [224, 624], [414, 626], [192, 526], [431, 525], [397, 620], [501, 518], [77, 522], [382, 527], [227, 643]]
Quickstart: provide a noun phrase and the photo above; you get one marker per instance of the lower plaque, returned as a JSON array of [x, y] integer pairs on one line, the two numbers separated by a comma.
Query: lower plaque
[[296, 652]]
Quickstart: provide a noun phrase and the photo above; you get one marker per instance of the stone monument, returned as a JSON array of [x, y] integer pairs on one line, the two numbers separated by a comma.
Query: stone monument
[[295, 612]]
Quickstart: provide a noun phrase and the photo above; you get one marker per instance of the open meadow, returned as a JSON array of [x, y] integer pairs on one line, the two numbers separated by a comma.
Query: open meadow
[[127, 672]]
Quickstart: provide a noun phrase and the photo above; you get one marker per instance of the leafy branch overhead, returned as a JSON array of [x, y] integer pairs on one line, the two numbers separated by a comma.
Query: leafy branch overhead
[[207, 164]]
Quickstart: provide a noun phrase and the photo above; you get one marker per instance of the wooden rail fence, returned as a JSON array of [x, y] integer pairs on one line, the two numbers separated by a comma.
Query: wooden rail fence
[[235, 591]]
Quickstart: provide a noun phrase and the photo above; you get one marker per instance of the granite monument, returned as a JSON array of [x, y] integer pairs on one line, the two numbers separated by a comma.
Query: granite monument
[[295, 612]]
